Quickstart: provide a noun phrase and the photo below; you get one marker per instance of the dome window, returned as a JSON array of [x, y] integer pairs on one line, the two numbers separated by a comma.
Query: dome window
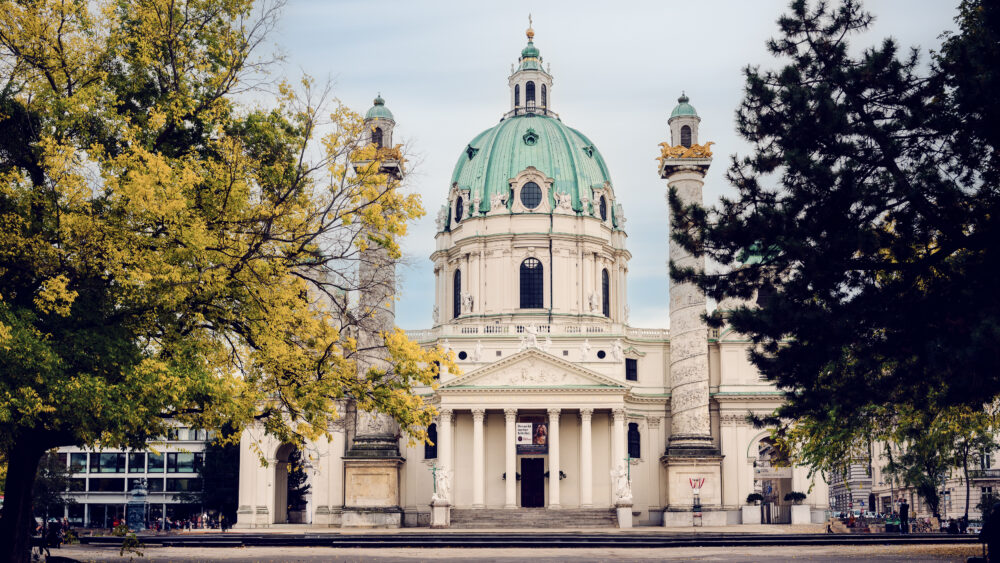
[[686, 135], [604, 209], [545, 97], [529, 93], [532, 284], [457, 294], [589, 150], [459, 209], [606, 293], [471, 151], [517, 95], [530, 138], [531, 195]]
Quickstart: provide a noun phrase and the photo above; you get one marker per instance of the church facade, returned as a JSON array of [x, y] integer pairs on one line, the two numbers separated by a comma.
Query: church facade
[[562, 410]]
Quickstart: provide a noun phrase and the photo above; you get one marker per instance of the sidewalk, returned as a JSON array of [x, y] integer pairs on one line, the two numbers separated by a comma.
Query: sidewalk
[[736, 529]]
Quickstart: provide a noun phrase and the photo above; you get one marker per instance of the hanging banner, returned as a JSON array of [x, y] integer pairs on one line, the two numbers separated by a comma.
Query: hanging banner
[[532, 437]]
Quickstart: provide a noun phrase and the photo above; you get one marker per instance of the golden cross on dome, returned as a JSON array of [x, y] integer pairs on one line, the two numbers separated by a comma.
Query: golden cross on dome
[[530, 32]]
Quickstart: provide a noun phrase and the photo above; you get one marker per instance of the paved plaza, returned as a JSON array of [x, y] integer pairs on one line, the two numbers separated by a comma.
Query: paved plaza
[[812, 554]]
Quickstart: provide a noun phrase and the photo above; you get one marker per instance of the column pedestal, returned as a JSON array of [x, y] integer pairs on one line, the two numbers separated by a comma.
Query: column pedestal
[[371, 476]]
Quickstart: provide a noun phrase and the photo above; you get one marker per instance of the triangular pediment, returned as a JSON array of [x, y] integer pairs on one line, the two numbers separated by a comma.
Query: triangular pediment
[[532, 368]]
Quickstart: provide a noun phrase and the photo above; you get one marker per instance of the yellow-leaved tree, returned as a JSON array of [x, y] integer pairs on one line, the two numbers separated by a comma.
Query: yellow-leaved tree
[[168, 254]]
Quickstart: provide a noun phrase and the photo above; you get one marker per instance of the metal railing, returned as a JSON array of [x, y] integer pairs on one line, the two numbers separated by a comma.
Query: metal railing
[[530, 110], [541, 329]]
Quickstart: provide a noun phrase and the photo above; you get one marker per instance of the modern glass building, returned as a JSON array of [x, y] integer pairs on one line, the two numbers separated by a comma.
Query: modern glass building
[[101, 479]]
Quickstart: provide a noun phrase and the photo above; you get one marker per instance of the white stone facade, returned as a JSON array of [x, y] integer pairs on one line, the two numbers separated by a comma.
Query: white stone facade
[[678, 399]]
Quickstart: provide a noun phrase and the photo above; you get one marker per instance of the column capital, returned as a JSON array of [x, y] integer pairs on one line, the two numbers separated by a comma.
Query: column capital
[[510, 413], [554, 412], [444, 415], [619, 414], [586, 414], [478, 414]]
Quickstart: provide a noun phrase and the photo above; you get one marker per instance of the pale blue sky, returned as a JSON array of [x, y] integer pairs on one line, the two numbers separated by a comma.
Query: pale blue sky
[[618, 69]]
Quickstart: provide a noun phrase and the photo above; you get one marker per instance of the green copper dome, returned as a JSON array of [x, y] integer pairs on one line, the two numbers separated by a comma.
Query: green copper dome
[[500, 153], [683, 108], [379, 110]]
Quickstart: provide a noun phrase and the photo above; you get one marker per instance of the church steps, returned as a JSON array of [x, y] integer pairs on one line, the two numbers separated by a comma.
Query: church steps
[[533, 518]]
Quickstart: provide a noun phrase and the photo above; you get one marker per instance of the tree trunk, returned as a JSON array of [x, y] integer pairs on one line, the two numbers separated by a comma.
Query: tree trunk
[[18, 523]]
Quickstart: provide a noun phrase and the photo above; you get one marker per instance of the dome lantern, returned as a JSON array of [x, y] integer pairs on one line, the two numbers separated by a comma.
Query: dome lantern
[[530, 84], [683, 123]]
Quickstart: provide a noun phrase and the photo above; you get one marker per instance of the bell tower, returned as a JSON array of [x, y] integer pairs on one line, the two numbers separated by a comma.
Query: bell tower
[[530, 84]]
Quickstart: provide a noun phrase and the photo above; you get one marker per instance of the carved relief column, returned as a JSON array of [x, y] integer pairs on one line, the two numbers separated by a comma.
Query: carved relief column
[[510, 459], [478, 461], [444, 442], [554, 458], [691, 451], [586, 460]]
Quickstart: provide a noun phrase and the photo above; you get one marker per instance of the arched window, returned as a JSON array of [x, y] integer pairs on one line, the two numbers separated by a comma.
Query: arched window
[[377, 137], [545, 97], [431, 450], [634, 448], [606, 292], [604, 209], [686, 136], [532, 284], [517, 95], [457, 294], [459, 209], [529, 93]]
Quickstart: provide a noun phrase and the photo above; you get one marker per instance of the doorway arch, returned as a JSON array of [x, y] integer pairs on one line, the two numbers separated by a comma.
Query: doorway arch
[[290, 485]]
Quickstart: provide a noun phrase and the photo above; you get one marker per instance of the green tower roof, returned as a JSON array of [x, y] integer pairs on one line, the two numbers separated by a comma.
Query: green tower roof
[[500, 153], [683, 108], [379, 110]]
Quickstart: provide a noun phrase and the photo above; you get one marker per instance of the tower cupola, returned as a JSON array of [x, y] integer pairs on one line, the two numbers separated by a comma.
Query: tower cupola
[[379, 123], [530, 84], [683, 123]]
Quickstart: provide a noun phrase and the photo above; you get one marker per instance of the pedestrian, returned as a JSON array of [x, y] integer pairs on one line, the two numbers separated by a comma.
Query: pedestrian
[[904, 516]]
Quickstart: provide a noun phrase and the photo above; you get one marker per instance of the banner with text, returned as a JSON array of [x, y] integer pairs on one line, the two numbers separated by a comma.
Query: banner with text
[[532, 437]]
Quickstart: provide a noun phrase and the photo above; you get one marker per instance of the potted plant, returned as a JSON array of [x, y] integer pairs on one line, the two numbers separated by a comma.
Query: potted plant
[[800, 512], [795, 497], [752, 512]]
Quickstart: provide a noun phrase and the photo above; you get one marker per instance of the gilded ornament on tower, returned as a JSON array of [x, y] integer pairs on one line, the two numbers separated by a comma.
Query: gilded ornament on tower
[[680, 151]]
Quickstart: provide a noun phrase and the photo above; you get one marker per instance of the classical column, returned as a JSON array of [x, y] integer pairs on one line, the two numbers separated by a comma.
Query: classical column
[[586, 460], [618, 440], [444, 442], [478, 461], [510, 459], [337, 449], [554, 458]]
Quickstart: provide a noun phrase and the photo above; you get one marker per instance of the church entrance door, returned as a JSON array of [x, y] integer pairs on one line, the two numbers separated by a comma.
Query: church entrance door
[[532, 482]]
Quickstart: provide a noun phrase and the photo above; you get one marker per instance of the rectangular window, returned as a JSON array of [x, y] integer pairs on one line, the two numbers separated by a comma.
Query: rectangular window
[[107, 463], [155, 485], [137, 463], [79, 484], [183, 485], [134, 482], [78, 463], [631, 369], [107, 485], [184, 462], [62, 459], [155, 463]]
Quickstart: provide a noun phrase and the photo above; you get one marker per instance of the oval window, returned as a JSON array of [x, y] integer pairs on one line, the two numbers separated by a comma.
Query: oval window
[[531, 195]]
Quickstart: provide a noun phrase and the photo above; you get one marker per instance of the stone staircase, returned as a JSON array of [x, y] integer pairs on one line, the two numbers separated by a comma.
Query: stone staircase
[[533, 518]]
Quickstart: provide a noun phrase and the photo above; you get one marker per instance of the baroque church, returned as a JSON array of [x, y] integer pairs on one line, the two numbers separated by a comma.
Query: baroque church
[[563, 414]]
